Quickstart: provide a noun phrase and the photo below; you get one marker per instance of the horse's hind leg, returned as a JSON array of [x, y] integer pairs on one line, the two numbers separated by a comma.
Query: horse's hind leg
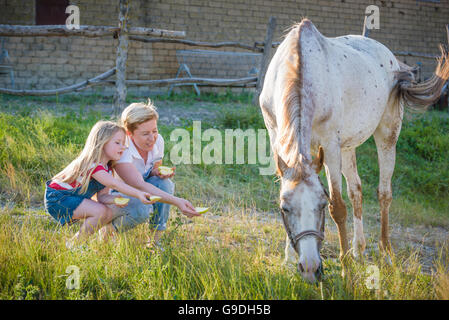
[[386, 136], [354, 187]]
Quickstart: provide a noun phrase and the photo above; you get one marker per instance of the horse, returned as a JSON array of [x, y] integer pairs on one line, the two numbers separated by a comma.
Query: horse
[[327, 96]]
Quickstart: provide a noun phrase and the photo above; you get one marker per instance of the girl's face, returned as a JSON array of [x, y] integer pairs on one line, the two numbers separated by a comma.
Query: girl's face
[[145, 135], [113, 149]]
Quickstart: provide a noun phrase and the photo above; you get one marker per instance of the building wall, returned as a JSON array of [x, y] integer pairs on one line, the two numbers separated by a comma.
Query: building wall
[[45, 63]]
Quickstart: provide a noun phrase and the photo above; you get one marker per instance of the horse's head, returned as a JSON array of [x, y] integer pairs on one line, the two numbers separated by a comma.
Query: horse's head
[[303, 200]]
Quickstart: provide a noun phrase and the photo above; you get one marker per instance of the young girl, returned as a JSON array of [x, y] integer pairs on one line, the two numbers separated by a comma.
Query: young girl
[[68, 195]]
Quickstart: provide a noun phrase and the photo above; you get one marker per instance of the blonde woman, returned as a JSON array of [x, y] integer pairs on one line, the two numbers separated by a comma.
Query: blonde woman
[[68, 194], [138, 167]]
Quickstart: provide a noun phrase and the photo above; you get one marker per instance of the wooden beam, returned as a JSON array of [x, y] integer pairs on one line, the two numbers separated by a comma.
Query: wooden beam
[[100, 80], [415, 54], [122, 56], [76, 87], [265, 58], [212, 82], [198, 43], [261, 44], [85, 31], [194, 80], [447, 33]]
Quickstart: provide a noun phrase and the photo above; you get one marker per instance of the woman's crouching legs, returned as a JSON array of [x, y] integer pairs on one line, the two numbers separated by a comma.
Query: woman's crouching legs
[[132, 215]]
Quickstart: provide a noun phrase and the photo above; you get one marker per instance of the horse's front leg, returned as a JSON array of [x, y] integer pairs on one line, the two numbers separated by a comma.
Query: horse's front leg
[[337, 207]]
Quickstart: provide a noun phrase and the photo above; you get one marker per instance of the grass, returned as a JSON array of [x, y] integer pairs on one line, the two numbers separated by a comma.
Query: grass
[[205, 259], [233, 252]]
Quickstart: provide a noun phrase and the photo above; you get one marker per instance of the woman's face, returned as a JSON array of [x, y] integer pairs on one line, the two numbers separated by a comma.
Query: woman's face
[[145, 135]]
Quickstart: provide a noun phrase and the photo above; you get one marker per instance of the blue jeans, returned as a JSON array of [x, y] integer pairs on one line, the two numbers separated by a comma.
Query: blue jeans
[[136, 212]]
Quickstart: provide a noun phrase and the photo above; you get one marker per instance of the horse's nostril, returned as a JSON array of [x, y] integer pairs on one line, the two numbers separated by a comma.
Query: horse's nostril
[[300, 267]]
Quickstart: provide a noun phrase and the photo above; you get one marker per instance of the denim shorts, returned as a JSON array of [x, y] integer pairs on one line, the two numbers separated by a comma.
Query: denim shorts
[[60, 205]]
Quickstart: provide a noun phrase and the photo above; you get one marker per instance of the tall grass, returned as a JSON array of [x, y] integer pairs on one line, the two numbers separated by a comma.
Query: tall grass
[[233, 258], [234, 252]]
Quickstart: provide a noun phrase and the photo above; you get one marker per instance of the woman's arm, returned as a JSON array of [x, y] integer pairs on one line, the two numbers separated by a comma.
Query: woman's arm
[[131, 176]]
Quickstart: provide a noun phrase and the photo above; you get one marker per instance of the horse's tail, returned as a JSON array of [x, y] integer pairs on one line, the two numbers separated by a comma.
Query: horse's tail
[[418, 96]]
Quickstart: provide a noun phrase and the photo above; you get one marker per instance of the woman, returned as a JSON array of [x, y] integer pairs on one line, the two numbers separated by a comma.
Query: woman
[[138, 167]]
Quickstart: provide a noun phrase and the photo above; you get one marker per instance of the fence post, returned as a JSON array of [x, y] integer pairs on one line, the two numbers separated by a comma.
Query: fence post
[[365, 28], [122, 55], [265, 58], [447, 32]]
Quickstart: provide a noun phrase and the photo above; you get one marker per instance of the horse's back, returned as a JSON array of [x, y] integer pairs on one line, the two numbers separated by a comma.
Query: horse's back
[[351, 78], [344, 82]]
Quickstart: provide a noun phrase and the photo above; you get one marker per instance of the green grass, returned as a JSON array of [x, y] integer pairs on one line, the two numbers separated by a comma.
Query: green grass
[[237, 265], [234, 252]]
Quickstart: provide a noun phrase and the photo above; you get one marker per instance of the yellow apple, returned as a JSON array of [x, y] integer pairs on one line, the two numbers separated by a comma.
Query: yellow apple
[[121, 201], [165, 170], [201, 210], [155, 198]]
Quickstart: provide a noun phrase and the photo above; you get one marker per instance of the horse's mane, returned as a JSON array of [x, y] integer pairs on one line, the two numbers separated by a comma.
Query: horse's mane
[[289, 126]]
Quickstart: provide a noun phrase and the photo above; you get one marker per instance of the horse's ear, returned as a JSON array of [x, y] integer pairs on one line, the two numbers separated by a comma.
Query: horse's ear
[[317, 163], [281, 166]]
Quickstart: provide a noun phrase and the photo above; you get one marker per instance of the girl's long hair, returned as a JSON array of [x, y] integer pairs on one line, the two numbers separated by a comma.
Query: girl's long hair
[[99, 135]]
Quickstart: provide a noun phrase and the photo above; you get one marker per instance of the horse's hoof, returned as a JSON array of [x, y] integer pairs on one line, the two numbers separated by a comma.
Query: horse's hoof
[[358, 254]]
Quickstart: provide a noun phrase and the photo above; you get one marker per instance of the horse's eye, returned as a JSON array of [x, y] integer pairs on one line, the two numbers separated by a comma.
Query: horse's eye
[[323, 205], [285, 210]]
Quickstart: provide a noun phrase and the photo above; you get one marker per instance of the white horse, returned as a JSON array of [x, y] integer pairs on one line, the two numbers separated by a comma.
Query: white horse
[[330, 95]]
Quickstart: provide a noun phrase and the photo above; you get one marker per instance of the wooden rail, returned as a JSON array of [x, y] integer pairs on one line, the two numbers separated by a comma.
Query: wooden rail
[[76, 87], [124, 35], [199, 43], [83, 31]]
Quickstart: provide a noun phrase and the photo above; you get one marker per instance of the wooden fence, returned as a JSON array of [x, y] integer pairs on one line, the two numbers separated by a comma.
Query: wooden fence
[[124, 35]]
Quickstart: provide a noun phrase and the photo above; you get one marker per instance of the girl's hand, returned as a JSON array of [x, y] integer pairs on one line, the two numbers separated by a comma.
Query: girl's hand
[[144, 198]]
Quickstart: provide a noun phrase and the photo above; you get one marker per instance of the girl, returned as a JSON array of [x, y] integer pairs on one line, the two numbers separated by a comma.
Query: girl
[[68, 195]]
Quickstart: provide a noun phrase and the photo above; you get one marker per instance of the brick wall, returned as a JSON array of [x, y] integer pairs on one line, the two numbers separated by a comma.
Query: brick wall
[[44, 63]]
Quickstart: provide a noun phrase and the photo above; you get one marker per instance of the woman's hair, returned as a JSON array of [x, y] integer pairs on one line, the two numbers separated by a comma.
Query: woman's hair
[[99, 135], [138, 113]]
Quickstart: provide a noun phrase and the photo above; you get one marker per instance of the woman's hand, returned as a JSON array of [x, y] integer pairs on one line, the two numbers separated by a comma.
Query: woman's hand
[[156, 172], [144, 198], [186, 208]]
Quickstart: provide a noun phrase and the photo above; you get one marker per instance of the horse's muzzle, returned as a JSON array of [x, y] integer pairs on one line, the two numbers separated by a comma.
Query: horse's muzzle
[[312, 277]]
